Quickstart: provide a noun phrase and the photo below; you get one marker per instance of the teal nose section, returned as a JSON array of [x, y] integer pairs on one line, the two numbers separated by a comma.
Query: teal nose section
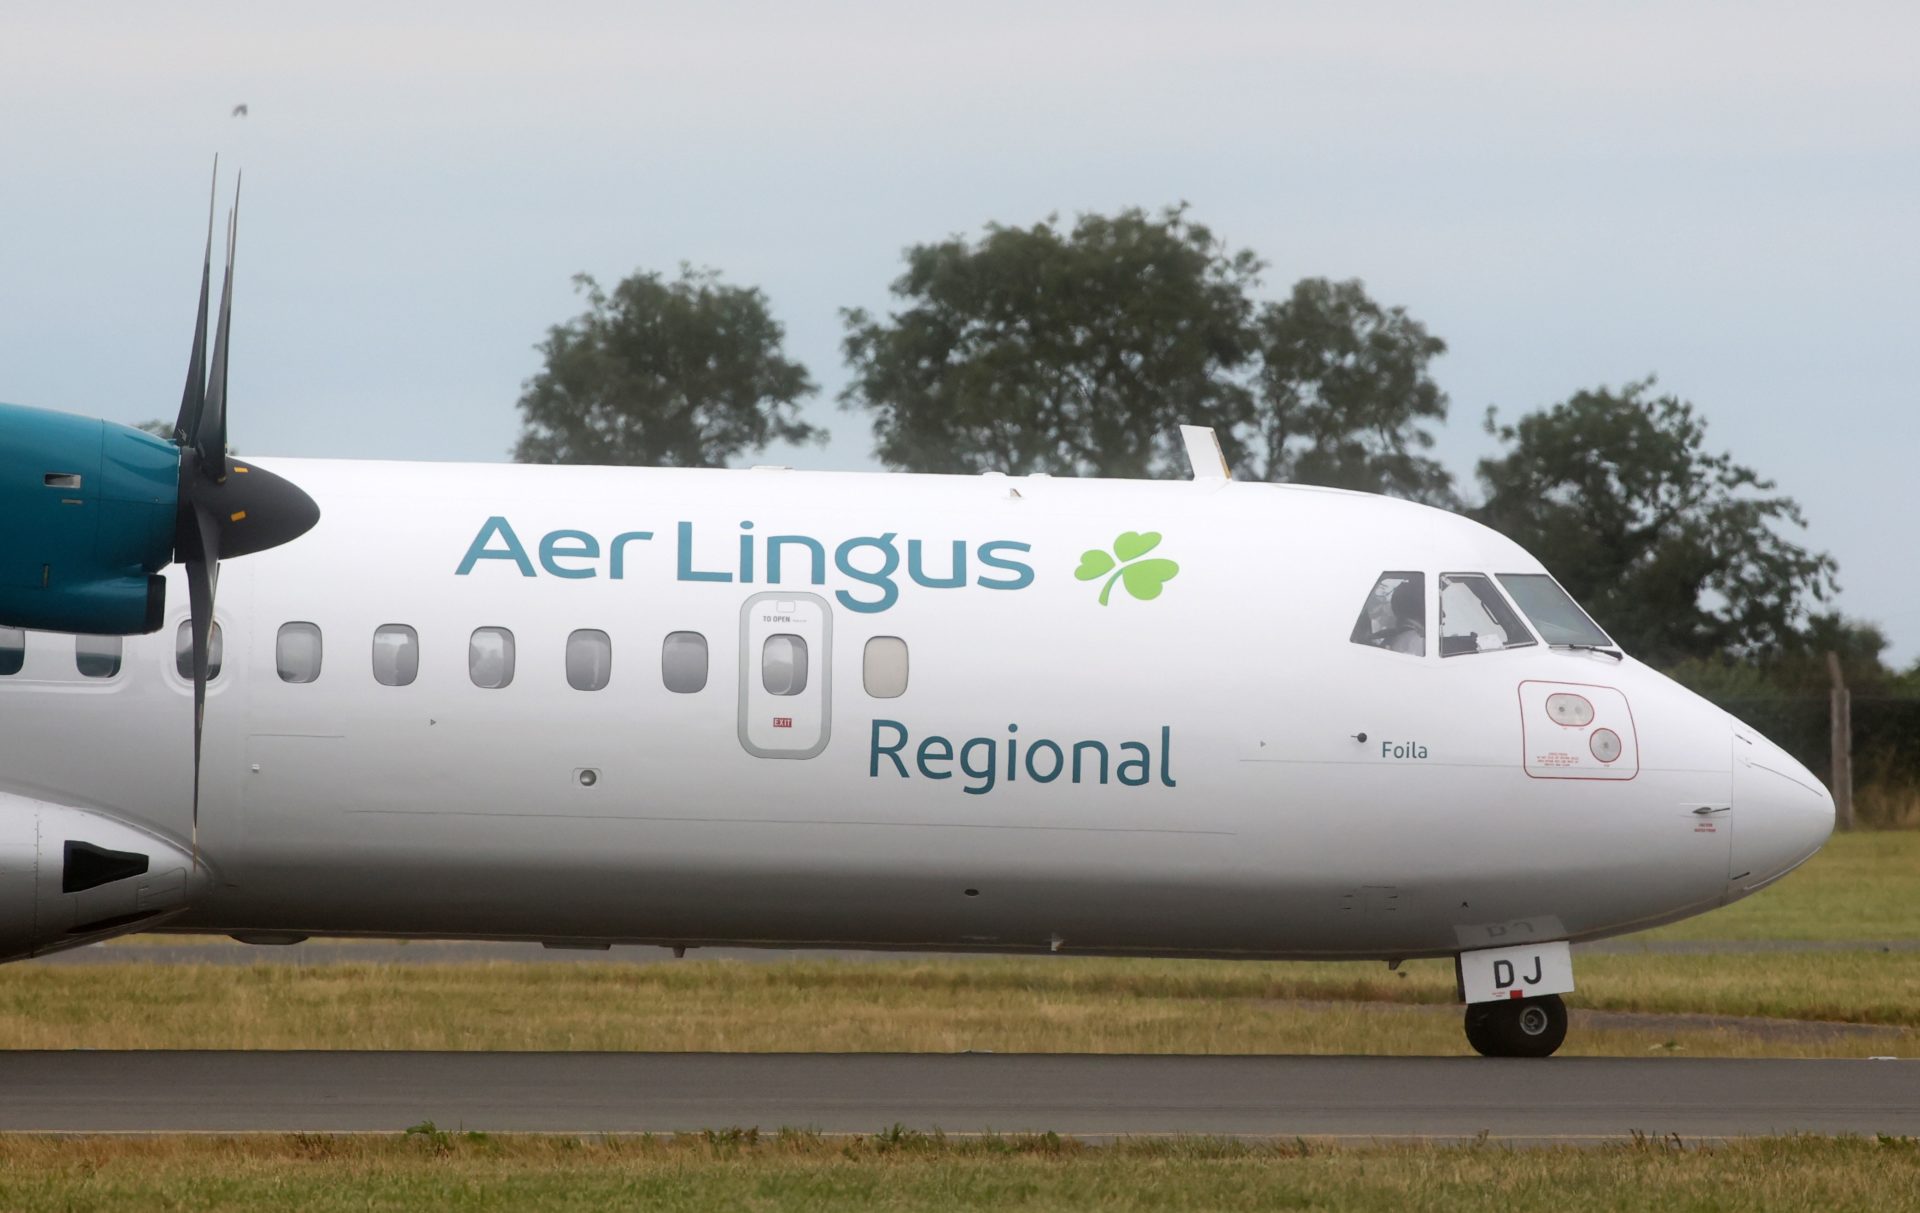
[[87, 517]]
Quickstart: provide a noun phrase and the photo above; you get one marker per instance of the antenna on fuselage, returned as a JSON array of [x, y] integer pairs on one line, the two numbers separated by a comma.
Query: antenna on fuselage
[[1204, 455]]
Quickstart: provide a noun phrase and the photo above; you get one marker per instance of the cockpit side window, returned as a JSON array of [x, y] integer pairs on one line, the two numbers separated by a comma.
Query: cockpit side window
[[1474, 618], [1394, 616], [1555, 614]]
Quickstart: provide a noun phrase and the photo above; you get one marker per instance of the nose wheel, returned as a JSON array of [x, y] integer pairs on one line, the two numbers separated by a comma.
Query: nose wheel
[[1519, 1027]]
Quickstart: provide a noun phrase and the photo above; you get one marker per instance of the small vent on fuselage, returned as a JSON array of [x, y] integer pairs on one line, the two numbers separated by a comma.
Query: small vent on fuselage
[[89, 866]]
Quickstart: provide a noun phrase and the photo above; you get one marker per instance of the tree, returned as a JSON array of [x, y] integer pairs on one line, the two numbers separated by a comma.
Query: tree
[[686, 373], [1673, 550], [1081, 351], [1076, 352], [1798, 672], [1342, 391]]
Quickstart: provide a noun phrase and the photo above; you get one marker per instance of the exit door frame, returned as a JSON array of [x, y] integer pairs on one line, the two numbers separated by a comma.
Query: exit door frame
[[817, 631]]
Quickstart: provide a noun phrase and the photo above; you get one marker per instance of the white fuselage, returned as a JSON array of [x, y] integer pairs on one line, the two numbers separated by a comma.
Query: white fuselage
[[1241, 813]]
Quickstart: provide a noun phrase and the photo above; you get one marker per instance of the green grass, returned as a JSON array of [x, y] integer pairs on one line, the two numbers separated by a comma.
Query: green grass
[[1864, 885], [735, 1170]]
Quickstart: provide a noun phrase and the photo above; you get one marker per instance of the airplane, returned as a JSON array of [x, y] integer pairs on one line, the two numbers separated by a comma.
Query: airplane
[[590, 706]]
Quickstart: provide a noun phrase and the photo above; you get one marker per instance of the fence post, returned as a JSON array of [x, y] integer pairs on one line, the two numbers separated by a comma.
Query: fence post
[[1842, 742]]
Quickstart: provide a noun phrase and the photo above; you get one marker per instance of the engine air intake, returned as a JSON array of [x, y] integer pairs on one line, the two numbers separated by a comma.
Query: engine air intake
[[89, 866]]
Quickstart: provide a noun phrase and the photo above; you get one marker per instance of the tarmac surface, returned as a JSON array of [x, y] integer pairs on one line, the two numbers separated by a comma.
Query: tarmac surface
[[1085, 1095]]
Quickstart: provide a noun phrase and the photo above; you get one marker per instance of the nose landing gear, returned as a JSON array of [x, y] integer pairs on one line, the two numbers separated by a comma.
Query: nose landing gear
[[1520, 1027]]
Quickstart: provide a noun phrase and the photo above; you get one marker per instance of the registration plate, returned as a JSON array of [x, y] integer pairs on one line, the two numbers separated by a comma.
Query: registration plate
[[1499, 974]]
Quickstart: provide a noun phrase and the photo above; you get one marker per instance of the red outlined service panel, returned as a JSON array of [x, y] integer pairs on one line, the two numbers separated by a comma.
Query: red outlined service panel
[[1577, 730]]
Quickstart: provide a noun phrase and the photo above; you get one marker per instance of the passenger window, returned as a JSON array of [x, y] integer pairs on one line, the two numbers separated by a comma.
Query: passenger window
[[97, 656], [183, 651], [885, 668], [396, 655], [1394, 616], [783, 664], [1555, 615], [13, 651], [1474, 618], [589, 660], [683, 662], [296, 652], [490, 658]]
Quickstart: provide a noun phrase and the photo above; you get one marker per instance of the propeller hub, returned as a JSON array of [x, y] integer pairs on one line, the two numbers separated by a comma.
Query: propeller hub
[[250, 508]]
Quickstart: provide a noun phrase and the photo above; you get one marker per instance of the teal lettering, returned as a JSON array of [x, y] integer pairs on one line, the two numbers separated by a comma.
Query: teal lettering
[[1097, 748], [1023, 572], [1059, 761], [916, 569], [881, 578], [687, 572], [892, 751], [987, 746], [926, 753], [586, 547], [818, 572], [478, 549], [1044, 760], [618, 565]]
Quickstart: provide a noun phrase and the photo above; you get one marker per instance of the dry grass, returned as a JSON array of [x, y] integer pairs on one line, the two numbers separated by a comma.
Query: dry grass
[[733, 1170], [945, 1005], [1888, 806]]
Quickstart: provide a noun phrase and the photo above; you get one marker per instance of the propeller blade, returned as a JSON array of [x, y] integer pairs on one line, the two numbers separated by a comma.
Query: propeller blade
[[210, 434], [195, 394], [226, 508], [203, 575]]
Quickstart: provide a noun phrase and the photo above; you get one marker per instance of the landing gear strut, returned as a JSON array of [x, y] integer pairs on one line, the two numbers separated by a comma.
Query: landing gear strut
[[1519, 1027]]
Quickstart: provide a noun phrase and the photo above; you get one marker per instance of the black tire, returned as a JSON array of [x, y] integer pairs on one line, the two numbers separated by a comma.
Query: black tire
[[1481, 1033], [1522, 1027]]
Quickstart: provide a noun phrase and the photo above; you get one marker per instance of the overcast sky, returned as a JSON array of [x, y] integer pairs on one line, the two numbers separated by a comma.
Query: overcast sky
[[1727, 196]]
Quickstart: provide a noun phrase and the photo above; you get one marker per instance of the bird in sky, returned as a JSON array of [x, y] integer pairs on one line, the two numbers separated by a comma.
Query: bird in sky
[[240, 111]]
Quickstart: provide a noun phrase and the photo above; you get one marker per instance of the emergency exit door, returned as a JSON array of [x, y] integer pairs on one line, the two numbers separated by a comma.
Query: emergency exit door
[[786, 675]]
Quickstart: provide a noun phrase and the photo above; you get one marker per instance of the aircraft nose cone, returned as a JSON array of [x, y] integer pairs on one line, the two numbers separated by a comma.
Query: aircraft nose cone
[[1781, 813]]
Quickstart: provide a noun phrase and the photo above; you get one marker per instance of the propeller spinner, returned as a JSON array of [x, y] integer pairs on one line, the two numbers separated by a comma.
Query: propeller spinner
[[226, 508]]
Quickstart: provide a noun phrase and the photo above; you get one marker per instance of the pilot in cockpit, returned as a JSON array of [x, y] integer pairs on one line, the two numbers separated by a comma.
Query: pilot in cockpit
[[1409, 631]]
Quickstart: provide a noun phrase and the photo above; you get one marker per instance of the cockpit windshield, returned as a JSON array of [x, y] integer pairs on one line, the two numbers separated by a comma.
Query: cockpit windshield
[[1394, 616], [1559, 619], [1475, 619]]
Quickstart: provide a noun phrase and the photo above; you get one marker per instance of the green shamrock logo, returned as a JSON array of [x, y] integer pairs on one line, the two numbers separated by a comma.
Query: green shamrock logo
[[1143, 578]]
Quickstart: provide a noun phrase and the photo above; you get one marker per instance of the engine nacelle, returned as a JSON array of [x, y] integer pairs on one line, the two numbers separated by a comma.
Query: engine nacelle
[[87, 518], [71, 876]]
